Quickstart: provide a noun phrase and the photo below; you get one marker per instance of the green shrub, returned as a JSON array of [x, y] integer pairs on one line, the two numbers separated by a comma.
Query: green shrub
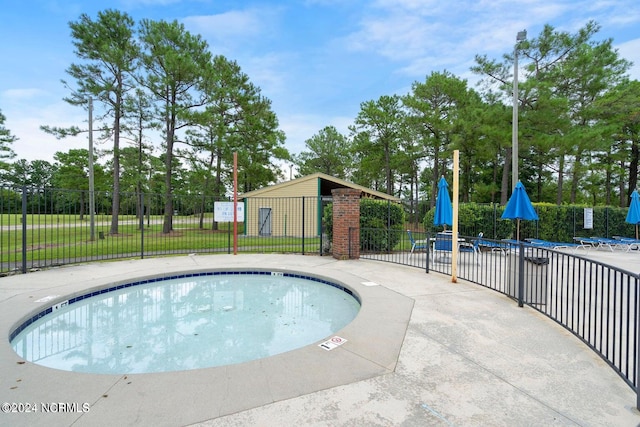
[[557, 223], [386, 218], [474, 218]]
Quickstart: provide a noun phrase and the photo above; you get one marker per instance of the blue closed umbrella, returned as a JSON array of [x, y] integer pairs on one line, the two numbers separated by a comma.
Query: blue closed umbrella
[[633, 215], [519, 207], [444, 210]]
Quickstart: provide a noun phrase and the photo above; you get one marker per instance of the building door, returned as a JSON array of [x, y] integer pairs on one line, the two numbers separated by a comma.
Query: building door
[[264, 221]]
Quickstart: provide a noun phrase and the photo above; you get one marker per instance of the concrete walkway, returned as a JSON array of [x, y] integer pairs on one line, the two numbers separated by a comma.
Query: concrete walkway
[[423, 352]]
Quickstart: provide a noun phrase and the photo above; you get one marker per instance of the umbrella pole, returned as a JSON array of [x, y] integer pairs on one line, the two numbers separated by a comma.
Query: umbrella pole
[[518, 230]]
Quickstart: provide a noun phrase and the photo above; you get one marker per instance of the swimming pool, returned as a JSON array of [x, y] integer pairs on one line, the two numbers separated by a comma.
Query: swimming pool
[[186, 321]]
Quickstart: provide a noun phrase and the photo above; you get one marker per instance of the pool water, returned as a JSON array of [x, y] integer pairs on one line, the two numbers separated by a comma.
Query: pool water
[[187, 323]]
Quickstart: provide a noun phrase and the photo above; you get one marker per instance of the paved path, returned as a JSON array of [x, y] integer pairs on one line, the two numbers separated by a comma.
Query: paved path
[[467, 356], [629, 261]]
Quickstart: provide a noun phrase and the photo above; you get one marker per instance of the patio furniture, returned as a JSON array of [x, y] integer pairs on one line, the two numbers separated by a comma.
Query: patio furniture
[[587, 243], [443, 244], [473, 247], [492, 245], [612, 244], [416, 244], [552, 245], [632, 244]]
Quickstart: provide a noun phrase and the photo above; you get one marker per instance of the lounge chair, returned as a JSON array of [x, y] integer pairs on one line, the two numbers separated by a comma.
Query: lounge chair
[[513, 245], [626, 239], [586, 243], [632, 244], [492, 245], [514, 242], [612, 244], [551, 245], [600, 242]]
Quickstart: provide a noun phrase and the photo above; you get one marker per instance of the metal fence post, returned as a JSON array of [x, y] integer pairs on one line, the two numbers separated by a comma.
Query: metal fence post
[[637, 379], [303, 222], [495, 221], [24, 229], [141, 225], [428, 252], [389, 227], [320, 215], [520, 274], [322, 224]]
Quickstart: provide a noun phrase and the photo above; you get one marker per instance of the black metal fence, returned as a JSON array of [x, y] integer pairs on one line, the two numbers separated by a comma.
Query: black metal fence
[[46, 228], [598, 303]]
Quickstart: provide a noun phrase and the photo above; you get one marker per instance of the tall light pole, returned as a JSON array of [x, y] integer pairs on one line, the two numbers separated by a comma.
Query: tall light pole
[[92, 202], [522, 35]]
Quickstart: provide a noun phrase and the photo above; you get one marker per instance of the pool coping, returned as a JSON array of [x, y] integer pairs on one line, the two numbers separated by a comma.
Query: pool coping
[[374, 339]]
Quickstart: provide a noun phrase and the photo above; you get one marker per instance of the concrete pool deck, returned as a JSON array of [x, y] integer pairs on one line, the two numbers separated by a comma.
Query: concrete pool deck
[[423, 351]]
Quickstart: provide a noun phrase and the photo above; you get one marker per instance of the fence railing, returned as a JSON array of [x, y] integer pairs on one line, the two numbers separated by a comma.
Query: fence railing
[[596, 302], [46, 228]]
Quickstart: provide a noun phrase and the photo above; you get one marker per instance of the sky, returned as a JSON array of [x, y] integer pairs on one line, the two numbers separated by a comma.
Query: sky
[[316, 60]]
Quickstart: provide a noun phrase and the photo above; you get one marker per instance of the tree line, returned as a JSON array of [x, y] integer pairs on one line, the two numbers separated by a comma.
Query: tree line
[[156, 78], [579, 123], [579, 128]]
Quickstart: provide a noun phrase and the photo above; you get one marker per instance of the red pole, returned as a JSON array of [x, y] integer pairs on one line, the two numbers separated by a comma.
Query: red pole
[[235, 203]]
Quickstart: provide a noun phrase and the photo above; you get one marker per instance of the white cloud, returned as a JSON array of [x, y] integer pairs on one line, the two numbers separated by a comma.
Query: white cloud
[[413, 6], [301, 127], [298, 128], [631, 51], [615, 12], [268, 71], [396, 37], [234, 33], [421, 36], [234, 24], [18, 95], [24, 122]]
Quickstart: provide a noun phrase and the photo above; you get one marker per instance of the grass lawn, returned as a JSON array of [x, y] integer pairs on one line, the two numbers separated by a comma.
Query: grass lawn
[[62, 237]]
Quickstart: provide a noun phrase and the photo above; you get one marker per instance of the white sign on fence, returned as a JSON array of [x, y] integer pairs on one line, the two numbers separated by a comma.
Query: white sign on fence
[[588, 218], [223, 212]]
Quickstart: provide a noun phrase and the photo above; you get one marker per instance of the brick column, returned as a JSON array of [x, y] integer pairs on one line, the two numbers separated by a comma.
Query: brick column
[[346, 215]]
